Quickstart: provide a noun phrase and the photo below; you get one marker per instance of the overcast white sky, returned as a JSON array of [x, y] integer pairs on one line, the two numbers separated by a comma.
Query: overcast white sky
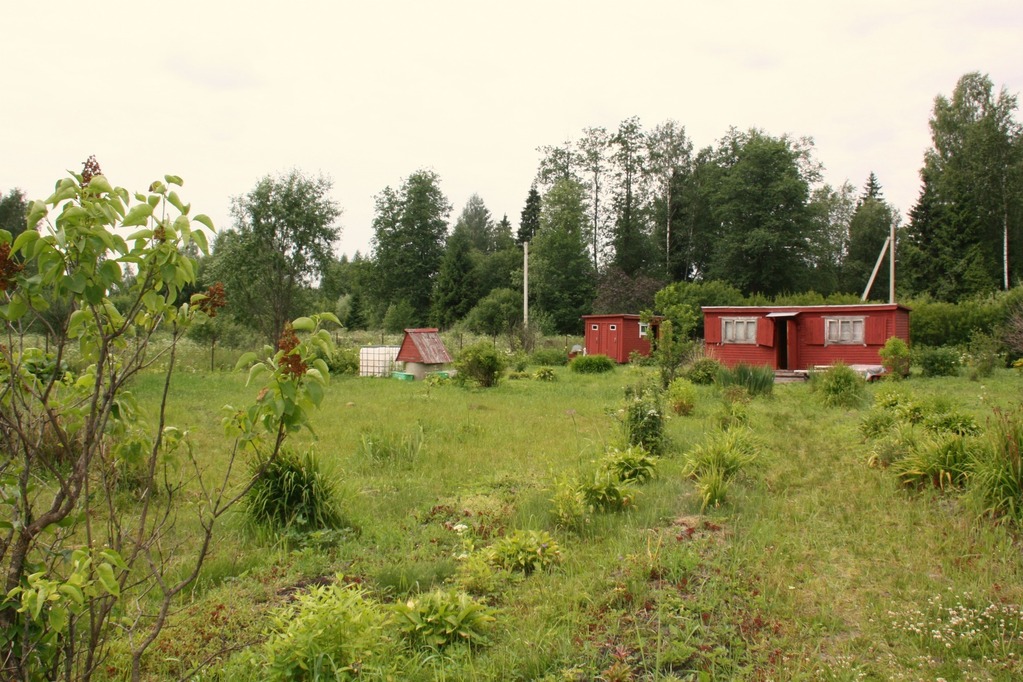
[[365, 93]]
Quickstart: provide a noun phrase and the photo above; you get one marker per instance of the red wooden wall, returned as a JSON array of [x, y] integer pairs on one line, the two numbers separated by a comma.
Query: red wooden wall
[[616, 343], [804, 334]]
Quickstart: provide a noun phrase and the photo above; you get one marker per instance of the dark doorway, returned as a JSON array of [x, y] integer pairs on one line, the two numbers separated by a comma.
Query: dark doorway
[[781, 343]]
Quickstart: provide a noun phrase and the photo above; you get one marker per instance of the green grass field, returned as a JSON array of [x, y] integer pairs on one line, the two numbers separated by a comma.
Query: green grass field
[[816, 566]]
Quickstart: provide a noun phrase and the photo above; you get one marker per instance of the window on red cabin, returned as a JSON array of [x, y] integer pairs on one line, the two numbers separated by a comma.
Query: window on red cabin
[[739, 330], [844, 330]]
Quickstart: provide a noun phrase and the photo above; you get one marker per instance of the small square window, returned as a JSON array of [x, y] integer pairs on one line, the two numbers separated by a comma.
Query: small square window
[[594, 327], [614, 327], [644, 328]]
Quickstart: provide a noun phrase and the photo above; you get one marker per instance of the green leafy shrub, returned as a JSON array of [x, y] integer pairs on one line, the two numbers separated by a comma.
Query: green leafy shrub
[[733, 413], [568, 506], [330, 632], [293, 492], [643, 420], [895, 357], [441, 618], [758, 380], [592, 364], [942, 462], [633, 464], [984, 355], [839, 386], [481, 364], [952, 421], [681, 396], [525, 551], [545, 374], [938, 362], [343, 361], [605, 492], [896, 444], [996, 486], [702, 371], [518, 376], [876, 423], [549, 357]]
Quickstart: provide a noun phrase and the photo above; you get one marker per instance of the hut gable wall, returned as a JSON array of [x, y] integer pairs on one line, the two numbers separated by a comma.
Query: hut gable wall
[[616, 336]]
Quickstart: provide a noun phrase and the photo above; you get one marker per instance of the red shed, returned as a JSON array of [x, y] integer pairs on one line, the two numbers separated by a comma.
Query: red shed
[[802, 337], [422, 351], [616, 336]]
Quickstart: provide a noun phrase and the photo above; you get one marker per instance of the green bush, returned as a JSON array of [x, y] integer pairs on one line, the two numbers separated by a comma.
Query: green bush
[[545, 374], [481, 364], [549, 357], [329, 632], [839, 386], [293, 493], [606, 492], [525, 551], [643, 421], [938, 362], [758, 380], [702, 371], [996, 486], [343, 361], [592, 364], [682, 396], [441, 618], [895, 357], [568, 506], [633, 464], [984, 355]]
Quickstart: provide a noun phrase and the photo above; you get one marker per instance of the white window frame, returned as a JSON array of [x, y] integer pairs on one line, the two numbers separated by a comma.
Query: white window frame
[[845, 331], [739, 330], [594, 327], [613, 327], [644, 328]]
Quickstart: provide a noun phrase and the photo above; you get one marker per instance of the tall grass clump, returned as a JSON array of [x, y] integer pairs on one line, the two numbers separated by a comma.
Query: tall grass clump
[[839, 386], [701, 370], [592, 364], [941, 462], [395, 449], [716, 462], [293, 493], [996, 486], [757, 379]]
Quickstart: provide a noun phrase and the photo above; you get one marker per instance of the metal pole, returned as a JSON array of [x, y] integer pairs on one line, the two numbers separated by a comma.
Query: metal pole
[[891, 267], [525, 285]]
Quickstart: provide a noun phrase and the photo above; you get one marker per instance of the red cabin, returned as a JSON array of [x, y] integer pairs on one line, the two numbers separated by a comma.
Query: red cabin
[[802, 337], [617, 336]]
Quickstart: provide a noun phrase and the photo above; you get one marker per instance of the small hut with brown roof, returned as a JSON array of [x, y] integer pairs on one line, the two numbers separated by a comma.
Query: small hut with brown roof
[[423, 352]]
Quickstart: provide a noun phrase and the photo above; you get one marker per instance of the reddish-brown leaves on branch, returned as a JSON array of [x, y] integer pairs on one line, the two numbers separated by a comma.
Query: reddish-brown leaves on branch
[[214, 301], [91, 169], [291, 361], [8, 268]]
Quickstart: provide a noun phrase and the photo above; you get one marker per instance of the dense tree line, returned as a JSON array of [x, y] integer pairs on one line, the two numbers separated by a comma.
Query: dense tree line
[[615, 215]]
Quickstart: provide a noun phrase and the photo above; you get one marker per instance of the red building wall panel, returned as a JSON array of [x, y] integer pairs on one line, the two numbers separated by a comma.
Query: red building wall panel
[[805, 334]]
